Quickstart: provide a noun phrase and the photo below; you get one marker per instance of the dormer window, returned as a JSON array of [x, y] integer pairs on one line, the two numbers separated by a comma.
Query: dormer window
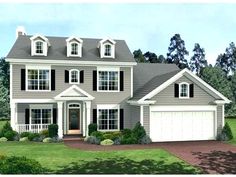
[[107, 48], [74, 47], [39, 45], [183, 90]]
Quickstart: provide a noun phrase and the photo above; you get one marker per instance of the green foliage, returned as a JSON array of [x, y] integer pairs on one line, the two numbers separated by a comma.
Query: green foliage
[[6, 128], [98, 135], [10, 135], [128, 137], [145, 140], [107, 142], [3, 139], [138, 56], [44, 133], [92, 140], [33, 136], [112, 135], [19, 165], [47, 140], [138, 131], [24, 139], [53, 130], [227, 131], [92, 128], [24, 134]]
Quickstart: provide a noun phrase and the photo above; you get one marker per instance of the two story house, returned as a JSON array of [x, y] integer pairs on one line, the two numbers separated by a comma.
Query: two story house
[[72, 82]]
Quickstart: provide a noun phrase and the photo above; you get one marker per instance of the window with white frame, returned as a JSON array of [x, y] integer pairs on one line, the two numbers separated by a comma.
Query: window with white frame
[[108, 80], [183, 90], [74, 76], [107, 51], [39, 47], [41, 114], [108, 119], [74, 49], [38, 79]]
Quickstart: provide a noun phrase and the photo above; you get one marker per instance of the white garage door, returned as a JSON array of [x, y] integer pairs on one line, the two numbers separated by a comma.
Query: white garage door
[[182, 126]]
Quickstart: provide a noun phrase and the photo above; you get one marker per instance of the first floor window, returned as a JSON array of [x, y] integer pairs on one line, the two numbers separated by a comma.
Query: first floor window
[[184, 90], [38, 79], [41, 116], [108, 80], [108, 119]]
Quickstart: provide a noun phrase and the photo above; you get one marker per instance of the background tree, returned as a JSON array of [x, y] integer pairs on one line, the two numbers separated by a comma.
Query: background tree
[[177, 52], [227, 60], [197, 61], [138, 55], [152, 57]]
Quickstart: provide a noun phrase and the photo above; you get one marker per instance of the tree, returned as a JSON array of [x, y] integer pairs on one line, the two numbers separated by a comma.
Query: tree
[[5, 73], [227, 60], [138, 55], [4, 101], [177, 52], [152, 57], [197, 61]]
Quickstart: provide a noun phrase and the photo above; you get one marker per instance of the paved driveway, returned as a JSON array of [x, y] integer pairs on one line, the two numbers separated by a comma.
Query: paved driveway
[[212, 156]]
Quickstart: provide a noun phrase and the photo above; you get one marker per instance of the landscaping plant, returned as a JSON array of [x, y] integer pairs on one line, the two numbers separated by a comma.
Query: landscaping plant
[[92, 128], [107, 142], [53, 130]]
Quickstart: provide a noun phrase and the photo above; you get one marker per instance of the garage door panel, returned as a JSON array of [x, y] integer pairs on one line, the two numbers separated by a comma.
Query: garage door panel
[[182, 126]]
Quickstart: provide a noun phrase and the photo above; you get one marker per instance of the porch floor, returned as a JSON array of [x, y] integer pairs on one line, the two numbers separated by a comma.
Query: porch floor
[[73, 137]]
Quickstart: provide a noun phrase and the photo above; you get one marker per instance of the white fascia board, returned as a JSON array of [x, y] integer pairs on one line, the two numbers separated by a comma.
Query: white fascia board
[[40, 36], [33, 101], [107, 39], [183, 108], [68, 62], [220, 102], [108, 106], [108, 68], [74, 38], [41, 106], [74, 98], [38, 66], [135, 103]]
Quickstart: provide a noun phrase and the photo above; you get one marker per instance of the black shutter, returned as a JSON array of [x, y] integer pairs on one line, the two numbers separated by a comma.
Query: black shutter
[[94, 116], [66, 76], [191, 89], [26, 116], [53, 84], [94, 80], [81, 77], [177, 90], [54, 116], [121, 80], [22, 79], [121, 119]]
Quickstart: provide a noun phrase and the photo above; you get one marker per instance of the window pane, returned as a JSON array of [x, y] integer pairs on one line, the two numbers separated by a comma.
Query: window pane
[[103, 119], [107, 50], [38, 79], [39, 47], [35, 116], [74, 76], [113, 80], [33, 79], [113, 119], [184, 90], [74, 49], [103, 80], [46, 116]]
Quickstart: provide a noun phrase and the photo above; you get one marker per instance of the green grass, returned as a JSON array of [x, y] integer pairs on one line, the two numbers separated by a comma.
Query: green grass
[[61, 159], [232, 124]]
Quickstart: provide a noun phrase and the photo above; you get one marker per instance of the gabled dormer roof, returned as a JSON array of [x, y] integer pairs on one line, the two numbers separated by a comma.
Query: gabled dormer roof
[[106, 40], [39, 36], [72, 38]]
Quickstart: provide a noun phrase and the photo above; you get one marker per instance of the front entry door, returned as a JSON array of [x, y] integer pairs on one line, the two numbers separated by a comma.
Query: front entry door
[[74, 121]]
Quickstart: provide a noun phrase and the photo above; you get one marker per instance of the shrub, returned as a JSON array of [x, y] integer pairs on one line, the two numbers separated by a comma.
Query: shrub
[[24, 139], [92, 128], [19, 165], [3, 139], [44, 133], [47, 140], [53, 130], [227, 131], [126, 132], [128, 140], [92, 140], [112, 135], [6, 128], [24, 134], [98, 135], [10, 135], [138, 131], [145, 140], [117, 141], [107, 142], [33, 136]]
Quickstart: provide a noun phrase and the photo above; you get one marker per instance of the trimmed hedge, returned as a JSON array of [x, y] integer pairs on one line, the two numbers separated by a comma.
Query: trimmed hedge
[[92, 128], [53, 130]]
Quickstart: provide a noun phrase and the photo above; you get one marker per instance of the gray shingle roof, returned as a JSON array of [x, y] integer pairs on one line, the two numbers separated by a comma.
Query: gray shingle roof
[[152, 84], [57, 51]]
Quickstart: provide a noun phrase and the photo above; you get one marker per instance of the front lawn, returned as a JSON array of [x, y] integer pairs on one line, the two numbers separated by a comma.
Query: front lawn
[[232, 124], [59, 158]]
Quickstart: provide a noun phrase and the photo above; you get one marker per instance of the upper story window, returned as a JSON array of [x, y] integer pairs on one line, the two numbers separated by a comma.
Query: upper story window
[[107, 48], [74, 76], [184, 90], [39, 47], [74, 47]]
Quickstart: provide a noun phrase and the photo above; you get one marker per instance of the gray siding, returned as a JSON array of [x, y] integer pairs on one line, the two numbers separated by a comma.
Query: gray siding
[[166, 96], [146, 119], [134, 115], [219, 118]]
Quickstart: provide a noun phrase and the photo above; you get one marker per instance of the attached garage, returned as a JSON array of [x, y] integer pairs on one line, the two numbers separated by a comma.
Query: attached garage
[[182, 123]]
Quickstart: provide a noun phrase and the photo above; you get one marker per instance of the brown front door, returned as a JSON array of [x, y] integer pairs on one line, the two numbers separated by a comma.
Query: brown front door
[[74, 119]]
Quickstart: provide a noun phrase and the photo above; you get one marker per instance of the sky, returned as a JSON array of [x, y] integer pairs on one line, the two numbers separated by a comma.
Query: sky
[[148, 27]]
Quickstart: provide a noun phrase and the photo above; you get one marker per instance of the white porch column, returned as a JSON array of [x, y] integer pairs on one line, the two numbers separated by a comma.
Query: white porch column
[[13, 115], [84, 127], [60, 118], [88, 115], [141, 115]]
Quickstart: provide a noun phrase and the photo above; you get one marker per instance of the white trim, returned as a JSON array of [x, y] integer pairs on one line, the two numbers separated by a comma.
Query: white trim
[[146, 102], [183, 108], [78, 72], [176, 77], [102, 44], [188, 91], [59, 96], [88, 115], [223, 116], [76, 40], [141, 115], [109, 106], [41, 106], [132, 81], [84, 124], [68, 62], [68, 115], [60, 118], [11, 81], [33, 101], [220, 102]]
